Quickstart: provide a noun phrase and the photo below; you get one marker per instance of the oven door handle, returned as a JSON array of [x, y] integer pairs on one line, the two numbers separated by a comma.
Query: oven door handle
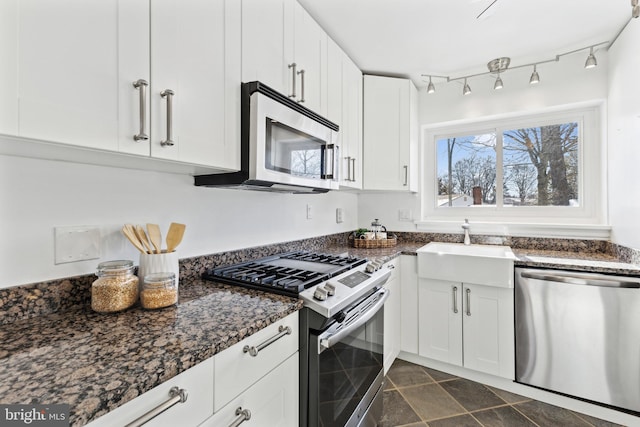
[[331, 340]]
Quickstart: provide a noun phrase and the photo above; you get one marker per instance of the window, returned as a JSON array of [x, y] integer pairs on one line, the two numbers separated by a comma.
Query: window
[[540, 168]]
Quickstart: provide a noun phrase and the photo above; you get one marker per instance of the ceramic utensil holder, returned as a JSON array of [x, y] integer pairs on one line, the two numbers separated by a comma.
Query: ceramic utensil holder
[[158, 263]]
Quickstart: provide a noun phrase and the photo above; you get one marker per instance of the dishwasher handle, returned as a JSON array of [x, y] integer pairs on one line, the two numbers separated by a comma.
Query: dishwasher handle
[[589, 280]]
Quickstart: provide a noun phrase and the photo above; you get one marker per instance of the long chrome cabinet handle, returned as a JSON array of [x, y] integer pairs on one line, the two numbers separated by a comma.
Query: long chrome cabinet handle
[[243, 415], [353, 169], [168, 93], [282, 331], [348, 178], [176, 395], [293, 66], [141, 85], [468, 291], [301, 72], [455, 299], [406, 175], [585, 280]]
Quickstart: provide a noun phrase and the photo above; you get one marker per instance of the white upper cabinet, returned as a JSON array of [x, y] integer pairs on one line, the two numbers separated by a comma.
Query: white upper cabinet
[[344, 100], [267, 46], [284, 47], [195, 55], [69, 68], [390, 134]]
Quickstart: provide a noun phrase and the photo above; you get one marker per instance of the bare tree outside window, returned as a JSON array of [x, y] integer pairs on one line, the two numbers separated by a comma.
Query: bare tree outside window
[[551, 151], [306, 163], [539, 167]]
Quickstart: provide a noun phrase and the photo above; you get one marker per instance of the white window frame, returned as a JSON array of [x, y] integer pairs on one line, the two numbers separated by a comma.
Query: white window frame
[[587, 220]]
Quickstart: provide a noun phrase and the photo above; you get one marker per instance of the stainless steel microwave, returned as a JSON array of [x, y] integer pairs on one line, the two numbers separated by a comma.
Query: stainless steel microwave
[[285, 146]]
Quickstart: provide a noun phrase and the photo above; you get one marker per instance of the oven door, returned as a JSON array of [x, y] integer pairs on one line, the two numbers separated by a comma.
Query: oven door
[[291, 148], [346, 372]]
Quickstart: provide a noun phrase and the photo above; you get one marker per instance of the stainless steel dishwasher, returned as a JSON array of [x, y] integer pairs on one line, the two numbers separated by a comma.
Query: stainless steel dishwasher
[[579, 334]]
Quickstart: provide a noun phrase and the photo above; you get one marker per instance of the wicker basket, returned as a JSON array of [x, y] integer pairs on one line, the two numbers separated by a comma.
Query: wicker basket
[[389, 242]]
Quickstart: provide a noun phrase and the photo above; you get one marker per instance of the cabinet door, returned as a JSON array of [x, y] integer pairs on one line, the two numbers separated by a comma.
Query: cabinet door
[[310, 54], [68, 71], [272, 401], [267, 43], [195, 53], [409, 304], [440, 320], [352, 118], [488, 330], [392, 316], [388, 105]]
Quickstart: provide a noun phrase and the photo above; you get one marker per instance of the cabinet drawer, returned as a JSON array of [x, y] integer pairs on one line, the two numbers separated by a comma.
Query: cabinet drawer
[[198, 384], [236, 369], [271, 402]]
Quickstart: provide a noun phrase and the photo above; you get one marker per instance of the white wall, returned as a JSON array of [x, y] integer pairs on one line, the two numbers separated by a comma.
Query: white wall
[[624, 137], [561, 83], [38, 195]]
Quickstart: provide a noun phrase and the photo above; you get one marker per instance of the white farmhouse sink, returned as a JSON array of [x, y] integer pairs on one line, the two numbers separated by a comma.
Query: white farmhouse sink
[[489, 265]]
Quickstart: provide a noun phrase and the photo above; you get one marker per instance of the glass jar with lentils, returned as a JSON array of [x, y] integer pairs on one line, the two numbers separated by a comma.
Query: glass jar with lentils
[[116, 287]]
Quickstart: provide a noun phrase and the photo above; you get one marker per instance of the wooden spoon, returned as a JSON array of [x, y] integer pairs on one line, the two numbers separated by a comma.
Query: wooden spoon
[[130, 234], [155, 236], [174, 236], [142, 236]]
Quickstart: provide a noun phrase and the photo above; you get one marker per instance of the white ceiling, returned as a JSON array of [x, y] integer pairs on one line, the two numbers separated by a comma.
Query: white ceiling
[[446, 37]]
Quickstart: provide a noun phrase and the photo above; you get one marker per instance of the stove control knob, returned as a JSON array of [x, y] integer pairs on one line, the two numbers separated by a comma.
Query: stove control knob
[[371, 267], [330, 288], [320, 294]]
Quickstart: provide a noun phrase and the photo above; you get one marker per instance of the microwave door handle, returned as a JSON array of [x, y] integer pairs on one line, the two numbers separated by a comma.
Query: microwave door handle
[[330, 165], [329, 341]]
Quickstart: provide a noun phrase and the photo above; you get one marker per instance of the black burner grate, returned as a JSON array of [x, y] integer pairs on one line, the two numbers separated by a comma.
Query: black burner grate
[[288, 274]]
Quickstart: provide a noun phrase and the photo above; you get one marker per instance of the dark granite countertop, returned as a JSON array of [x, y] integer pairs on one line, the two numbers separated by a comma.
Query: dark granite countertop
[[594, 262], [97, 362]]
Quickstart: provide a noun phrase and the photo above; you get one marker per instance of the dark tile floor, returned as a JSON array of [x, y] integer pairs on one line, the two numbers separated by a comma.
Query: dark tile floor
[[416, 396]]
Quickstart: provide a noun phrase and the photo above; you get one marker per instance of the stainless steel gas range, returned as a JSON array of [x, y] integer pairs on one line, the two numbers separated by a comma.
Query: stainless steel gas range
[[341, 330]]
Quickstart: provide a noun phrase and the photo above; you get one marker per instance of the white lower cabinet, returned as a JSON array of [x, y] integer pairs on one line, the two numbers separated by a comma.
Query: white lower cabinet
[[263, 380], [468, 325], [409, 304], [197, 383], [271, 402], [391, 347], [237, 369]]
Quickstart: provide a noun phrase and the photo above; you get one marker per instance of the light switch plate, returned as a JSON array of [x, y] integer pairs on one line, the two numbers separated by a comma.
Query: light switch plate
[[76, 243]]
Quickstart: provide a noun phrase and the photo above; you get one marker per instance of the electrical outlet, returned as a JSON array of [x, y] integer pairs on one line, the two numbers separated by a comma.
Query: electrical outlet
[[339, 215], [404, 215], [76, 243], [309, 211]]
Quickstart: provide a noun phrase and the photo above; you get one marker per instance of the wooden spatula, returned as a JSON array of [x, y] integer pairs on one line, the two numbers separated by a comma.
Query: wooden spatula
[[174, 236], [142, 236], [130, 234], [155, 236]]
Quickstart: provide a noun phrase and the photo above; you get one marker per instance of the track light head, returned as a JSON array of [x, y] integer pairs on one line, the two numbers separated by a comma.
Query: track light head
[[431, 88], [591, 60], [498, 84], [466, 90], [535, 78], [635, 12]]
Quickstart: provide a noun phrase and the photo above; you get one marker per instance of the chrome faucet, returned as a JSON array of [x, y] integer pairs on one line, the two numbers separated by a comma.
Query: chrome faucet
[[466, 227]]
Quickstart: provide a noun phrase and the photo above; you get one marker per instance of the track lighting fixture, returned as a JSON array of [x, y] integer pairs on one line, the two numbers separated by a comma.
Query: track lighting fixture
[[591, 59], [501, 65], [498, 84], [635, 9], [466, 90], [535, 78], [431, 88]]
